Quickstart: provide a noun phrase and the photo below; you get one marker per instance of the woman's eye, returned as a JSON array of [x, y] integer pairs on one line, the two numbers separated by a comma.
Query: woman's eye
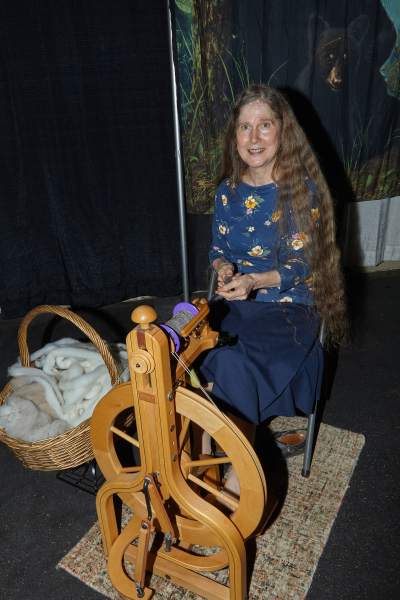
[[266, 125]]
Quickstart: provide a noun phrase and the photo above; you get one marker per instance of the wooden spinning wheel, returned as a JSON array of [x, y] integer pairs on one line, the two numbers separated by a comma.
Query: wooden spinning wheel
[[169, 492]]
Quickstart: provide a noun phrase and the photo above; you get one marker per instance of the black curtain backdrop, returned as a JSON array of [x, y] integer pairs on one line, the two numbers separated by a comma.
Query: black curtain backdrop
[[89, 211]]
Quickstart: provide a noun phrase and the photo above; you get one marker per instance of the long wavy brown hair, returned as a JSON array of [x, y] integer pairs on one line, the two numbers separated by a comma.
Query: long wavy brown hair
[[296, 161]]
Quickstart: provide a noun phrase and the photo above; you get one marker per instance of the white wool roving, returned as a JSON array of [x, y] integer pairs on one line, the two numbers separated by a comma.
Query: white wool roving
[[74, 378], [23, 420], [53, 395]]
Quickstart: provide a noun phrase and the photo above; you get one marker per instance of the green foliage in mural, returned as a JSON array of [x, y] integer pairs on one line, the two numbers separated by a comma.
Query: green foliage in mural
[[184, 5], [375, 178], [183, 21], [391, 69]]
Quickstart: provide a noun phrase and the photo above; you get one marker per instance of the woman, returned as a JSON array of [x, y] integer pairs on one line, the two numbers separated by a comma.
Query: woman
[[274, 235]]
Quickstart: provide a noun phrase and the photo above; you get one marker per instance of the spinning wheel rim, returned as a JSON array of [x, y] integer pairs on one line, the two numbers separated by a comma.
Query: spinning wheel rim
[[192, 406], [252, 498]]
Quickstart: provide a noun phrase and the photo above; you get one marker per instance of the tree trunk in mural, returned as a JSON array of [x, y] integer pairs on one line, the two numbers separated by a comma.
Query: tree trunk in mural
[[209, 105]]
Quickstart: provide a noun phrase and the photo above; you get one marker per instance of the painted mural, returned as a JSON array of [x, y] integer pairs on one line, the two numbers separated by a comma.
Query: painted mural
[[338, 65], [391, 69]]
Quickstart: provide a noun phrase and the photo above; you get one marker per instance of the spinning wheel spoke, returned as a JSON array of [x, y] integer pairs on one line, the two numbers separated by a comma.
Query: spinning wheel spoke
[[125, 436], [206, 474], [213, 491], [184, 431], [209, 461]]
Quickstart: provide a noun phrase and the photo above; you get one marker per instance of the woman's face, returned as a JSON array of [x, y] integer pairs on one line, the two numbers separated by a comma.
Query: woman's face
[[258, 137]]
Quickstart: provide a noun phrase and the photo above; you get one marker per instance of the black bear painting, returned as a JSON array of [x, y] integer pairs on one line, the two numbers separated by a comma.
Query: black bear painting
[[332, 53], [341, 62]]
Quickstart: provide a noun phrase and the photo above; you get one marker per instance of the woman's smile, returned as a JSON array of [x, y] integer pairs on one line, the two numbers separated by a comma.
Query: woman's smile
[[256, 151]]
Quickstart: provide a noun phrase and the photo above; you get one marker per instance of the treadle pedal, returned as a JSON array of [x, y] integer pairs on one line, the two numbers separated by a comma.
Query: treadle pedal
[[141, 563]]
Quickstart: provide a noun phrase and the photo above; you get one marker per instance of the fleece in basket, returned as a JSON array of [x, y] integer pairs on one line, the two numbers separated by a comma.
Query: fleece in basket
[[62, 392]]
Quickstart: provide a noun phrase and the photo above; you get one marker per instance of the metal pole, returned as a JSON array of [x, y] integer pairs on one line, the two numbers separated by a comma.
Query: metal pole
[[179, 170]]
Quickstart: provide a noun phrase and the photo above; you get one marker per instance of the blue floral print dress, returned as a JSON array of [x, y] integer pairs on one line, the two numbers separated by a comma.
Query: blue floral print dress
[[274, 361], [245, 232]]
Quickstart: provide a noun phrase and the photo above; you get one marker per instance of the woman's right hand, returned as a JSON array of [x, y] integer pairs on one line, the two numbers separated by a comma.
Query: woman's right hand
[[224, 269]]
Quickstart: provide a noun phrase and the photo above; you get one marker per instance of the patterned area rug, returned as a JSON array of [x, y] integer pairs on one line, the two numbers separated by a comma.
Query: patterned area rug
[[281, 562]]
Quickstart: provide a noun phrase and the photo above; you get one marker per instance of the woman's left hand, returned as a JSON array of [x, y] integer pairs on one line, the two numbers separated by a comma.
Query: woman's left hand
[[237, 289]]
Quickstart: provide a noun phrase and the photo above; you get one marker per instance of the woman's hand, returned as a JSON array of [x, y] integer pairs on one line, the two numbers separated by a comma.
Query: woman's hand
[[241, 285], [237, 289], [223, 269]]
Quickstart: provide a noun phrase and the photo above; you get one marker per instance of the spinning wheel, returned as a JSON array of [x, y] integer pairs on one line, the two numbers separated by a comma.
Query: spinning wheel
[[169, 492]]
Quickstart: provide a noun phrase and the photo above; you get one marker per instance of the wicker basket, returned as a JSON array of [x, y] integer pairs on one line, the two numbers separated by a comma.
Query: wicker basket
[[72, 448]]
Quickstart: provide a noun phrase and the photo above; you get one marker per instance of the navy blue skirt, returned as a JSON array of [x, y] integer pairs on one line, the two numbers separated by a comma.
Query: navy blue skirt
[[273, 363]]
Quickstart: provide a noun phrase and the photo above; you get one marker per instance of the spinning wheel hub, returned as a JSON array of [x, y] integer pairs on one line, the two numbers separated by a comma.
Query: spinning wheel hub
[[142, 362]]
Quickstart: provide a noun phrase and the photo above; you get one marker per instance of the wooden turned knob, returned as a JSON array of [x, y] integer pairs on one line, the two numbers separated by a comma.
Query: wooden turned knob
[[143, 316]]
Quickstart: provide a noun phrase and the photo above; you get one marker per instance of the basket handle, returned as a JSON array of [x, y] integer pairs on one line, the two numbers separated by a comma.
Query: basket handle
[[76, 320]]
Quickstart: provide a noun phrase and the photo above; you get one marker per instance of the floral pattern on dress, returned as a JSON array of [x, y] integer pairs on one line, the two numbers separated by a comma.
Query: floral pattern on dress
[[297, 244], [223, 229], [258, 250], [252, 204]]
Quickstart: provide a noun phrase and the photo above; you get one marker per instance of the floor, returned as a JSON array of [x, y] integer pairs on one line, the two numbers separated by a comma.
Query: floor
[[42, 518]]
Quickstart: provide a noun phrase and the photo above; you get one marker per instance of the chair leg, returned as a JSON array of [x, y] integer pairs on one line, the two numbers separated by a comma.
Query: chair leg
[[212, 285], [309, 442]]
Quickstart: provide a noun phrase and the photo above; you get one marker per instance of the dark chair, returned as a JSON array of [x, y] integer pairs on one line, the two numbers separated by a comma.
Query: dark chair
[[312, 417]]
